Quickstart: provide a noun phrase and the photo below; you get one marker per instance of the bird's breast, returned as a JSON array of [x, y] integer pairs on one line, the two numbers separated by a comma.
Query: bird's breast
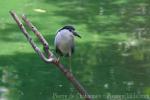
[[64, 42]]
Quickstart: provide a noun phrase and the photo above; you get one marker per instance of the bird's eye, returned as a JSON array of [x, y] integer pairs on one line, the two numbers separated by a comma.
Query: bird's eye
[[70, 30]]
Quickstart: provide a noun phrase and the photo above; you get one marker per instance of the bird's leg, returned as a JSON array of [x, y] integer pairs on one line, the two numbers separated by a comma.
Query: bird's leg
[[70, 62]]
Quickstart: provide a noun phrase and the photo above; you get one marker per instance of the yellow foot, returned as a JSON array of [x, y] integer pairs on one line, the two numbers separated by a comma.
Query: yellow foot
[[58, 60]]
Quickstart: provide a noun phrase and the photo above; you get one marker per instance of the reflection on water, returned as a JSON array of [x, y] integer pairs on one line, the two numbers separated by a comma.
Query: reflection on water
[[3, 93], [109, 68]]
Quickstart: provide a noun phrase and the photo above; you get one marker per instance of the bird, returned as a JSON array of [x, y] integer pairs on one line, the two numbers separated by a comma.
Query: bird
[[64, 41]]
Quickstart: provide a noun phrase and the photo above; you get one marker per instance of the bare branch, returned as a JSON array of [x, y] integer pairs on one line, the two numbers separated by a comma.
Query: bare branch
[[51, 58], [22, 28], [38, 34]]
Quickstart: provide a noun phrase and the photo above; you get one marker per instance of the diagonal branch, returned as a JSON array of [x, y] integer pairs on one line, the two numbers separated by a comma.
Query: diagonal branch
[[34, 46], [39, 35], [51, 57]]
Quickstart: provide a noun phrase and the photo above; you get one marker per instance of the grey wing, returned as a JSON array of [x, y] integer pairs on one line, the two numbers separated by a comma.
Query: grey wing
[[72, 50], [58, 51], [56, 45]]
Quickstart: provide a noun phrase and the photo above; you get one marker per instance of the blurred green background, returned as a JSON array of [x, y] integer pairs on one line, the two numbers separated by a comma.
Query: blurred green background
[[112, 60]]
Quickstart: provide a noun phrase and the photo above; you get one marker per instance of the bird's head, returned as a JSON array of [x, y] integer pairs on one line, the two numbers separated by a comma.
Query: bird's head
[[72, 30]]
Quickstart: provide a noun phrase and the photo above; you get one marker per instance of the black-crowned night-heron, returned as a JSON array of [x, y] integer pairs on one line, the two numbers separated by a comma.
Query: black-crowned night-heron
[[64, 41]]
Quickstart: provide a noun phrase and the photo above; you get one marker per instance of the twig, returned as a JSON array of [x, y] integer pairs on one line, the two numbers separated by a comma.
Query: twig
[[51, 58], [39, 35]]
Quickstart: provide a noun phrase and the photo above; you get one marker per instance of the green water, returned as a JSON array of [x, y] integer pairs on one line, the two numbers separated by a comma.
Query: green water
[[111, 60]]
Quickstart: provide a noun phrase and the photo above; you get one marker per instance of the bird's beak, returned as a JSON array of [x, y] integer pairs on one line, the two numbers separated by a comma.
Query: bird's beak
[[76, 34]]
